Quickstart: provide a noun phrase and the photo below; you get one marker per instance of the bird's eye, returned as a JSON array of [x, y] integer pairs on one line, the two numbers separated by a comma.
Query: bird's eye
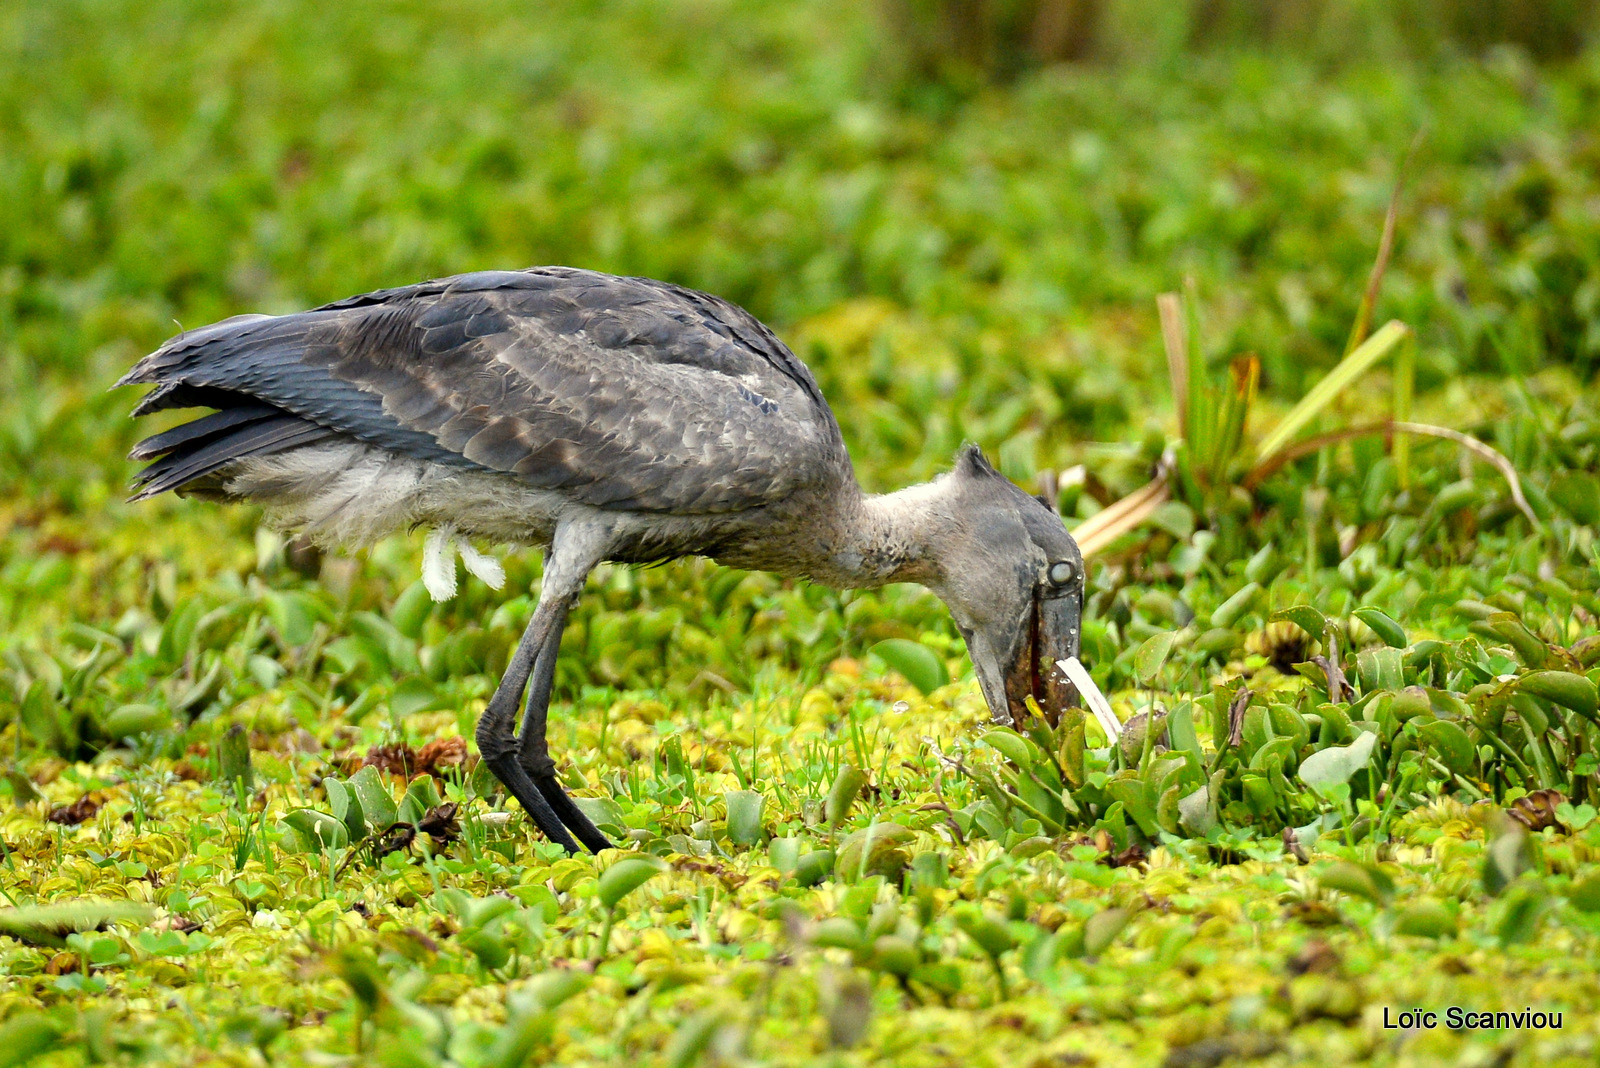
[[1062, 572]]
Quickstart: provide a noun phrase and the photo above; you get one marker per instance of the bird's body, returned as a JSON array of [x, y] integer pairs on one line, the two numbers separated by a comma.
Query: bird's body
[[604, 418]]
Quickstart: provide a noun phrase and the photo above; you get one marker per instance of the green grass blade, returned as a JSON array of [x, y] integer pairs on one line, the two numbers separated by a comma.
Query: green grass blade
[[1174, 341], [1349, 370]]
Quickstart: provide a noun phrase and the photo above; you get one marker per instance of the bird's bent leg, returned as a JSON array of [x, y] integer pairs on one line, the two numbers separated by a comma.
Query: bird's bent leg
[[496, 732], [574, 550], [534, 751]]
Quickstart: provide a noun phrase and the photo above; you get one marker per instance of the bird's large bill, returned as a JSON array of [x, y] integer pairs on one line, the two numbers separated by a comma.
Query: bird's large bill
[[1054, 633]]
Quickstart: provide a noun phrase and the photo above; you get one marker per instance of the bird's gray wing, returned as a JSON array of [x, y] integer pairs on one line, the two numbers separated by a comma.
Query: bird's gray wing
[[623, 392]]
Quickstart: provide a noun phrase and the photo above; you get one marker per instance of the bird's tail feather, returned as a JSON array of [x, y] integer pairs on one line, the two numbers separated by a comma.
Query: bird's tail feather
[[200, 448]]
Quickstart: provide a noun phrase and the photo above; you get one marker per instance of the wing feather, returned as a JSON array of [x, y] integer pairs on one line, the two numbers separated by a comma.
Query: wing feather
[[623, 392]]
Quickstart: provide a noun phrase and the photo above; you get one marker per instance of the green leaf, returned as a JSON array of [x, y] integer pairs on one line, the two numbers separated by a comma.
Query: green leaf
[[988, 932], [1337, 763], [27, 1035], [913, 661], [1010, 745], [1507, 857], [842, 794], [626, 876], [744, 816], [1306, 618], [1152, 654], [135, 719], [421, 795], [1426, 918], [346, 808], [837, 932], [317, 832], [1229, 611], [1451, 743], [377, 803], [813, 867], [877, 849], [1520, 914], [1585, 894], [1366, 881], [1388, 631], [1101, 929], [233, 757], [411, 610], [1563, 688], [48, 925]]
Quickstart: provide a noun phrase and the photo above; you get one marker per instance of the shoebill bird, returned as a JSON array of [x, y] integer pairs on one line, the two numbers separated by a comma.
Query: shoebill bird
[[602, 418]]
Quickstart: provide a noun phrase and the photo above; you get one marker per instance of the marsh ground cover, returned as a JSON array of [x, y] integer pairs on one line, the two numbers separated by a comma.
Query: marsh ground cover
[[852, 867]]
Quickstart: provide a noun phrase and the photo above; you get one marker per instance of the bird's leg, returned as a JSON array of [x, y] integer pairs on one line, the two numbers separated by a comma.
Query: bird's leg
[[574, 550], [496, 732], [534, 751]]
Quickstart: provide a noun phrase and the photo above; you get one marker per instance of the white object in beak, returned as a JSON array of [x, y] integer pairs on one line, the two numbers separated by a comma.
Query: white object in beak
[[1079, 676]]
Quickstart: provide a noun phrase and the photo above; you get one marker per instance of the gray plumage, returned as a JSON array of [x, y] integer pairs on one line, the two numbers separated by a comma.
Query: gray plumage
[[605, 418], [623, 393]]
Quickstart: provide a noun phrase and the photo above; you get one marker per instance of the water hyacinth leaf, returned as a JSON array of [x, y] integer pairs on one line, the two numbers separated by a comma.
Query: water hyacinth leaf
[[233, 758], [421, 796], [411, 610], [744, 816], [626, 876], [878, 849], [135, 719], [914, 662], [604, 813], [1336, 764], [1152, 655], [1451, 743], [987, 931], [894, 955], [1576, 817], [784, 854], [1305, 617], [1229, 612], [813, 867], [1382, 668], [1181, 733], [1521, 911], [1195, 815], [28, 1035], [1367, 881], [1101, 929], [842, 794], [346, 807], [1563, 688], [1426, 918], [1507, 857], [1585, 894], [316, 831], [49, 925], [1387, 630], [377, 803], [1010, 745], [838, 932]]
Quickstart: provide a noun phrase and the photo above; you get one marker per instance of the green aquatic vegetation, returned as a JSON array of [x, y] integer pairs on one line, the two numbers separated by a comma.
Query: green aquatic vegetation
[[240, 816]]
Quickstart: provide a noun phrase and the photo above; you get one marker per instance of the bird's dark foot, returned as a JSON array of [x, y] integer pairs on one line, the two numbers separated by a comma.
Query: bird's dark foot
[[571, 814], [531, 798]]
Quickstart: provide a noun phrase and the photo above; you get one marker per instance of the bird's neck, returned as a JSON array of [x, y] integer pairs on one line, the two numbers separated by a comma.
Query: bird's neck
[[891, 537]]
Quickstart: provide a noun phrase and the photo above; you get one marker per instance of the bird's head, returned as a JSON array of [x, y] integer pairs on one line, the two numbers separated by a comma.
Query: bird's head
[[1013, 579]]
